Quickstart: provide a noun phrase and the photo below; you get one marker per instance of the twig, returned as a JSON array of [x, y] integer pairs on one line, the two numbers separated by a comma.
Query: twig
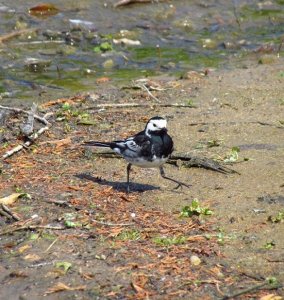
[[49, 247], [236, 14], [111, 224], [126, 2], [13, 34], [63, 204], [8, 211], [4, 214], [32, 138], [149, 93], [39, 42], [234, 123], [125, 105], [245, 291], [280, 45], [32, 227], [19, 110]]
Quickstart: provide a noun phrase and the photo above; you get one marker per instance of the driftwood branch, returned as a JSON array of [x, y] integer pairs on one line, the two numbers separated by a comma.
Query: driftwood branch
[[31, 227], [19, 110], [186, 159], [189, 161], [32, 138], [9, 212], [11, 35], [5, 214]]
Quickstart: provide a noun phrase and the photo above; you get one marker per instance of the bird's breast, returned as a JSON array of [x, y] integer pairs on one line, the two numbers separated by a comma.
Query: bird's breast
[[155, 162]]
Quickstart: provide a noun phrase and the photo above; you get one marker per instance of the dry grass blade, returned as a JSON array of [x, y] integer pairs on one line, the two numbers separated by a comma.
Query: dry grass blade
[[60, 287]]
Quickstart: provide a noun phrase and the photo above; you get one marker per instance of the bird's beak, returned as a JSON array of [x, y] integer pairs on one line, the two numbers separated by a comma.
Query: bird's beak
[[165, 130]]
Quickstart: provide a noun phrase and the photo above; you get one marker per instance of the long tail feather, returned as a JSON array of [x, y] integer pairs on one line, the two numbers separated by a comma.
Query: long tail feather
[[97, 144]]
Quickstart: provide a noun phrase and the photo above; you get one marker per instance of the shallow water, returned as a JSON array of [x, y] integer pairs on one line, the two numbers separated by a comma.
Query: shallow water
[[174, 37]]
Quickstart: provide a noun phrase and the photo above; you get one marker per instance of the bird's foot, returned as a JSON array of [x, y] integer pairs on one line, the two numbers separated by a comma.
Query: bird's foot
[[181, 185]]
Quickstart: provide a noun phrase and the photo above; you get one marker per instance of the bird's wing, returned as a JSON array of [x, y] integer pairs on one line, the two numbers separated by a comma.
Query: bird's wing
[[133, 146], [144, 143]]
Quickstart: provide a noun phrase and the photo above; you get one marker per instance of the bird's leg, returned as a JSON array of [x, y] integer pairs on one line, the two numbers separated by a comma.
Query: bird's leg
[[128, 172], [179, 184]]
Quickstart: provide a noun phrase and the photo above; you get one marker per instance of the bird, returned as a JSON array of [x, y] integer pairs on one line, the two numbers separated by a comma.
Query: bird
[[150, 148]]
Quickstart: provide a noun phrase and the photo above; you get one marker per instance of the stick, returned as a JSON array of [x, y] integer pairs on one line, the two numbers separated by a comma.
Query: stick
[[5, 214], [126, 2], [111, 224], [234, 123], [32, 227], [125, 105], [13, 34], [245, 291], [7, 210], [18, 148], [63, 204], [19, 110], [148, 91], [51, 245], [39, 42], [236, 15]]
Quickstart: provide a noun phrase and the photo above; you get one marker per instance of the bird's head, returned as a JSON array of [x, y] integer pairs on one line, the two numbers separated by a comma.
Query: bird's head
[[156, 125]]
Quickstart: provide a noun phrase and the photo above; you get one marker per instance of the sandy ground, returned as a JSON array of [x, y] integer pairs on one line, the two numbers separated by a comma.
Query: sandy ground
[[234, 108]]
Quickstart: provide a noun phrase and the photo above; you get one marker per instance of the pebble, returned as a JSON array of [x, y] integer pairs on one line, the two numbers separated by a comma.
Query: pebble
[[195, 260]]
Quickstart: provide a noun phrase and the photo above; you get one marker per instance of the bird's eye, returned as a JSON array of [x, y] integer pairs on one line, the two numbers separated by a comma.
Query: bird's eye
[[154, 125]]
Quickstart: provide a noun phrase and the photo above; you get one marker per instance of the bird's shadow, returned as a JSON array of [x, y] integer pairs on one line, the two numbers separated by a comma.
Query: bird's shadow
[[118, 186]]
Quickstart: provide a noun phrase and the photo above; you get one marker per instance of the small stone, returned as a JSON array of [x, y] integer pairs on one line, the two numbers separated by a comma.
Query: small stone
[[36, 65], [209, 44], [108, 64], [185, 24], [89, 71], [195, 260], [230, 45]]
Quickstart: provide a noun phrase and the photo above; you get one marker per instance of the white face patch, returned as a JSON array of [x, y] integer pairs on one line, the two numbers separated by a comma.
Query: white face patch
[[156, 125]]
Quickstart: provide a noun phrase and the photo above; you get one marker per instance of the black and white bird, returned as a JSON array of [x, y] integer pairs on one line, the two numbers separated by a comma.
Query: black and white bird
[[149, 148]]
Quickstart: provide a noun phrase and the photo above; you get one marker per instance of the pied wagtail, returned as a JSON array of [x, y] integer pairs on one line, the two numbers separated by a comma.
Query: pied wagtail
[[149, 148]]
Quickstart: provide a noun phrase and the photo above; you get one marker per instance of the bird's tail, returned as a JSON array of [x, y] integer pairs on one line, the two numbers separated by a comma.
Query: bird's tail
[[97, 144]]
